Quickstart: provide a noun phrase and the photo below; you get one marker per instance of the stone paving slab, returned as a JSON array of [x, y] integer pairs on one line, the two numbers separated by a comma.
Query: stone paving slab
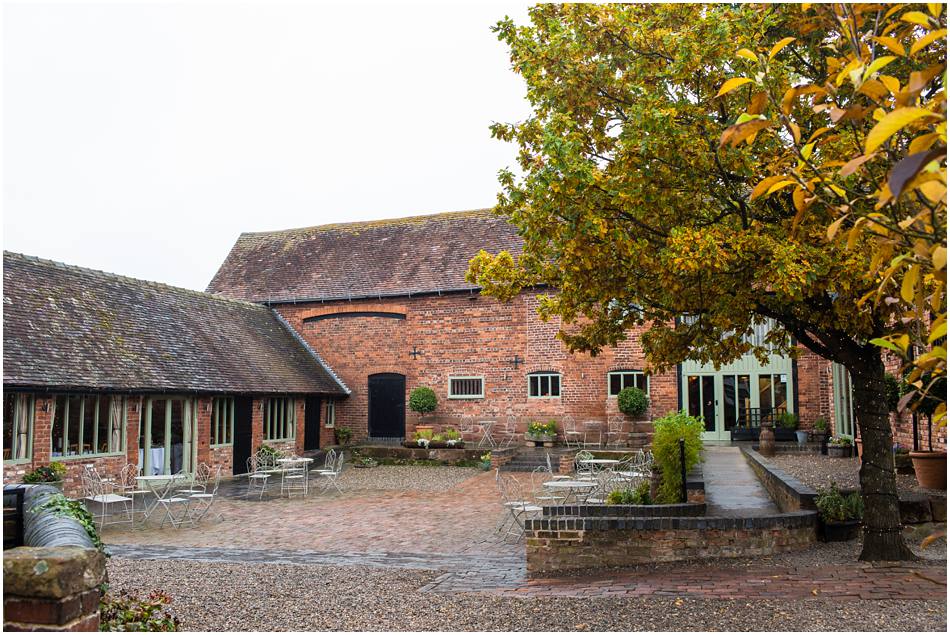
[[732, 488]]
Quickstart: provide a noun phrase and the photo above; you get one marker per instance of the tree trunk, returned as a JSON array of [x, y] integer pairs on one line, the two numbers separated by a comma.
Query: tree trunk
[[882, 523]]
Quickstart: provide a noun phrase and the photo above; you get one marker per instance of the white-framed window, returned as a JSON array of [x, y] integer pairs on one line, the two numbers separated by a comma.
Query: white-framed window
[[17, 426], [280, 419], [222, 421], [617, 380], [466, 387], [86, 425], [544, 385], [331, 414]]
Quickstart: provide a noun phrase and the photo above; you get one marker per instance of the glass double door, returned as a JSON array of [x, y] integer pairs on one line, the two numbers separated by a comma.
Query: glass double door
[[728, 400], [168, 435]]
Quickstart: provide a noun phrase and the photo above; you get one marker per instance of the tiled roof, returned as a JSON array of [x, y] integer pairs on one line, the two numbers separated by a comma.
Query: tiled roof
[[69, 327], [403, 256]]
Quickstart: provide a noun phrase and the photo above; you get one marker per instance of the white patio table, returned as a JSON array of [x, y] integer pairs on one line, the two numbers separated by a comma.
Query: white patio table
[[160, 485], [570, 488], [289, 463]]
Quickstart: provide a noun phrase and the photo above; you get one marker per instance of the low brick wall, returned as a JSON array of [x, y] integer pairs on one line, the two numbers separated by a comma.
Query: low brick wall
[[560, 545], [787, 492], [449, 455], [614, 511]]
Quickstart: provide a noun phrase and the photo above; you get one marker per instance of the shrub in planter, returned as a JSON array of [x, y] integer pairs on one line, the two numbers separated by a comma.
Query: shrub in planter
[[343, 435], [538, 431], [632, 401], [640, 495], [667, 431], [840, 515], [52, 474], [453, 438], [485, 461], [839, 446], [422, 400]]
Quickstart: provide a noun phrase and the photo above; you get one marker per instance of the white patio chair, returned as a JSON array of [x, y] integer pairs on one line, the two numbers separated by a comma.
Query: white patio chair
[[293, 479], [509, 434], [332, 478], [615, 435], [519, 510], [541, 496], [572, 436], [584, 471], [593, 434], [128, 485], [201, 502], [199, 480], [487, 440], [103, 494], [329, 461], [256, 479]]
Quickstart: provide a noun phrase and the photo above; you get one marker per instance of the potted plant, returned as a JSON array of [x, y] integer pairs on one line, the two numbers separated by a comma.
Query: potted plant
[[785, 426], [543, 433], [343, 435], [485, 461], [52, 474], [820, 428], [789, 421], [632, 402], [453, 438], [839, 447], [840, 516], [423, 437], [422, 401], [930, 466]]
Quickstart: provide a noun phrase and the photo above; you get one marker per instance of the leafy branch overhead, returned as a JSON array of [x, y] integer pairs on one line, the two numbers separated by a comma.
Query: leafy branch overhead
[[862, 142]]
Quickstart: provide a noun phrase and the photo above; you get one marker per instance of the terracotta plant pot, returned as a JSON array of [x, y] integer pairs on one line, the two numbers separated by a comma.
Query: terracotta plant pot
[[930, 468]]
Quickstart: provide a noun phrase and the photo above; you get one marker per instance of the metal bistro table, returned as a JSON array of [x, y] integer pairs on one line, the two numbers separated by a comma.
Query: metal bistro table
[[290, 480], [160, 485], [570, 488]]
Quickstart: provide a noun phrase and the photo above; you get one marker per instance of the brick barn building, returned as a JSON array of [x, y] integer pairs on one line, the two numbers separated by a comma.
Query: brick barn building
[[305, 330]]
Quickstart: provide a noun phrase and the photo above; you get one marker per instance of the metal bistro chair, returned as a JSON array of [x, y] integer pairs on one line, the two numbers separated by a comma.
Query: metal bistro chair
[[329, 461], [128, 485], [97, 491], [538, 493], [554, 475], [519, 510], [199, 480], [509, 434], [169, 501], [332, 478], [256, 479], [467, 429], [583, 470], [293, 478], [486, 440], [572, 436], [615, 434], [593, 434], [203, 501]]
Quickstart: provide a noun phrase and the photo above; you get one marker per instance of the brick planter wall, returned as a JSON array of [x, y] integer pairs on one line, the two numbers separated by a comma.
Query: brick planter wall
[[559, 545], [52, 588], [787, 492]]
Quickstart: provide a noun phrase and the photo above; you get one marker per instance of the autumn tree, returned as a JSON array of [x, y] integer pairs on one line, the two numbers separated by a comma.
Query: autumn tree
[[634, 213]]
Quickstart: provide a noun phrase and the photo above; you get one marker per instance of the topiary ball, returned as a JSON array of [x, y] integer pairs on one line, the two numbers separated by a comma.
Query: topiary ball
[[422, 400], [632, 401]]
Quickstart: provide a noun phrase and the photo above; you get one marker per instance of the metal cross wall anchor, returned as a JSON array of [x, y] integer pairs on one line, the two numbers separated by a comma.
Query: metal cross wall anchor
[[415, 353], [516, 361]]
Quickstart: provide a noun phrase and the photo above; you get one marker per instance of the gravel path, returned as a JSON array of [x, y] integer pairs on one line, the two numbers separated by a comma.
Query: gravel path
[[816, 470], [241, 597], [413, 478]]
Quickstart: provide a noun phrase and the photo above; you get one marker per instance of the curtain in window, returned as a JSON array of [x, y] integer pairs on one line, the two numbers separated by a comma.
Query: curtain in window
[[21, 424], [115, 423]]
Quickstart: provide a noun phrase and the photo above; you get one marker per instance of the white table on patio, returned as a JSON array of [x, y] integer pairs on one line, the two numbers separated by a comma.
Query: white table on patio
[[570, 488], [293, 461], [160, 485]]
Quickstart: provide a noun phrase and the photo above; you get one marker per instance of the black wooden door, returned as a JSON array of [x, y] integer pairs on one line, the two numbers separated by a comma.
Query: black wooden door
[[241, 446], [387, 405], [311, 425]]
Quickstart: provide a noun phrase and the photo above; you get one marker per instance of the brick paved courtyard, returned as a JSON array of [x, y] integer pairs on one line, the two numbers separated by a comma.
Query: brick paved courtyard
[[436, 526]]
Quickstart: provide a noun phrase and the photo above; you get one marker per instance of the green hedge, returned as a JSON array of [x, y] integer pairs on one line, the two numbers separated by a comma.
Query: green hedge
[[422, 400], [632, 401], [667, 431]]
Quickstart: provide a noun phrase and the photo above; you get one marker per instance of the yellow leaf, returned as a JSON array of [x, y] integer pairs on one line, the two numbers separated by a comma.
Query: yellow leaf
[[891, 44], [934, 190], [939, 258], [878, 64], [732, 84], [764, 186], [916, 17], [851, 166], [927, 39], [781, 185], [796, 132], [834, 227], [892, 11], [891, 83], [746, 53], [798, 197], [921, 143], [780, 45], [890, 124], [935, 8], [939, 331], [818, 133], [909, 284]]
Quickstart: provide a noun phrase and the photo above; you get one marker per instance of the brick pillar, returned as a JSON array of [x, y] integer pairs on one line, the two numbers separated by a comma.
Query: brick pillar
[[203, 433], [52, 588], [300, 404]]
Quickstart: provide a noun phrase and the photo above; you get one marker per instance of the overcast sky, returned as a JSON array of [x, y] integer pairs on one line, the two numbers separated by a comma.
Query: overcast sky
[[143, 138]]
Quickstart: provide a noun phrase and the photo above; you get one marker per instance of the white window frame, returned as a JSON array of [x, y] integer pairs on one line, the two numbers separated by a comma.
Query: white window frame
[[330, 421], [30, 400], [279, 416], [222, 421], [481, 385], [623, 382], [560, 385]]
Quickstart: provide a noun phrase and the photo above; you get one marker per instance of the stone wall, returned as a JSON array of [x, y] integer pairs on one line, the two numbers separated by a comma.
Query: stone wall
[[787, 492], [52, 588], [559, 545]]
